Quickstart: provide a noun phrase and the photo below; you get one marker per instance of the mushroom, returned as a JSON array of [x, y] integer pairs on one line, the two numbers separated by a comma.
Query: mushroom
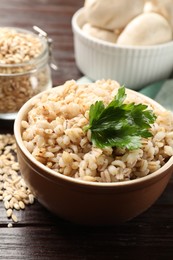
[[146, 29], [112, 14], [163, 7], [99, 33]]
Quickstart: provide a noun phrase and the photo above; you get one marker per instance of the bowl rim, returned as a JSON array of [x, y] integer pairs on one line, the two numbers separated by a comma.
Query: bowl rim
[[76, 28], [17, 133]]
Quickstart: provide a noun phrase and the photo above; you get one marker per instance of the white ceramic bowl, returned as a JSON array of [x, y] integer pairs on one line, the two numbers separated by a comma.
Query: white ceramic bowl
[[133, 66]]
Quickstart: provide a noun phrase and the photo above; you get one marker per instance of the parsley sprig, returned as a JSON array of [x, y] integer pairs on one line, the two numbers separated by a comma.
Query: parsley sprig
[[118, 124]]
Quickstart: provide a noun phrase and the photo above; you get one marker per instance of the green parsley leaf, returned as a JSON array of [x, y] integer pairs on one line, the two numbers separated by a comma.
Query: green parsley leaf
[[118, 124]]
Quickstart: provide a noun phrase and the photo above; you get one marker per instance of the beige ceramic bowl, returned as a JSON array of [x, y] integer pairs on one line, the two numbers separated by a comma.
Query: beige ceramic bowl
[[88, 203], [132, 66]]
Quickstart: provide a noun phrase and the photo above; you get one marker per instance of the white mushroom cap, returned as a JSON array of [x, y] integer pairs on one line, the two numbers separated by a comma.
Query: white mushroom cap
[[101, 34], [112, 14], [146, 29], [163, 7]]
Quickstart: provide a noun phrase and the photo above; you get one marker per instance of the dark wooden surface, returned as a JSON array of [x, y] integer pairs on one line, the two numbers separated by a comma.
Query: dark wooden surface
[[39, 234]]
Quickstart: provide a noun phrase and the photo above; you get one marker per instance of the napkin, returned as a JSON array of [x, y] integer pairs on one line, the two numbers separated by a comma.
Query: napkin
[[160, 91]]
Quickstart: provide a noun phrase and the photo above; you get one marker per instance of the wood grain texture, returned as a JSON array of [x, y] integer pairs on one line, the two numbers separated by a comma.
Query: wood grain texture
[[41, 235]]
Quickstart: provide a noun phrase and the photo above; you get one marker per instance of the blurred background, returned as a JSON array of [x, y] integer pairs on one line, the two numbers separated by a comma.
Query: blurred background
[[52, 16]]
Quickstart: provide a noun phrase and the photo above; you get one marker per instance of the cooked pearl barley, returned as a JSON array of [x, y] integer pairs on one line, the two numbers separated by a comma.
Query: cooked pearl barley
[[71, 150], [112, 170]]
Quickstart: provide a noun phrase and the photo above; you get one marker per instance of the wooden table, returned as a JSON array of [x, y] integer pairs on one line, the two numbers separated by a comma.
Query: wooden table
[[39, 234]]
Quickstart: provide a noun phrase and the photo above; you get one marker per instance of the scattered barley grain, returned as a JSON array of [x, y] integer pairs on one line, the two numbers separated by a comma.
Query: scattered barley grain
[[14, 192]]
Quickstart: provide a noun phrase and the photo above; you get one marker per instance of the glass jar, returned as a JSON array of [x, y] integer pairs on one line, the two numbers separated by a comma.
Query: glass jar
[[24, 69]]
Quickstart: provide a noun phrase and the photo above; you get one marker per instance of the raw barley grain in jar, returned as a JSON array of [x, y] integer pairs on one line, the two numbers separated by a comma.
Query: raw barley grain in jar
[[24, 68]]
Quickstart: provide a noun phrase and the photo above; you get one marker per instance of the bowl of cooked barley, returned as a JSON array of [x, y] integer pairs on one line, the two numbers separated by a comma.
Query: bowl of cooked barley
[[95, 154]]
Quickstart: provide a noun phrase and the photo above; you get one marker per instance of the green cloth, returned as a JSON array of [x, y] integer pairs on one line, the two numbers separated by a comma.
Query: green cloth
[[152, 90]]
